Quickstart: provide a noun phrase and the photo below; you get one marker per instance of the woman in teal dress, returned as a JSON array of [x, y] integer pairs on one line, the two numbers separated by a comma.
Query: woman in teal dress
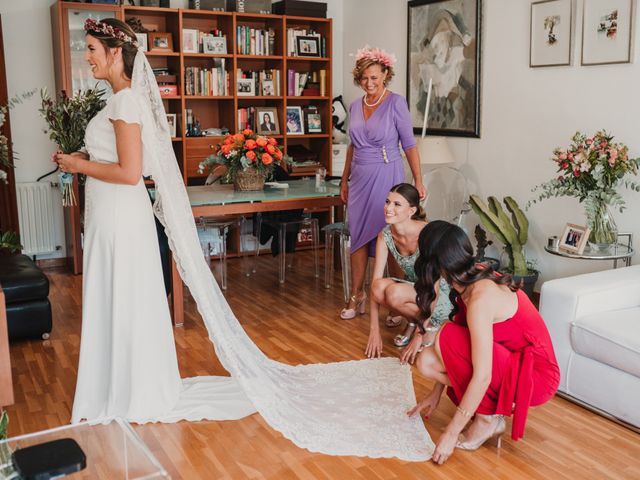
[[405, 219]]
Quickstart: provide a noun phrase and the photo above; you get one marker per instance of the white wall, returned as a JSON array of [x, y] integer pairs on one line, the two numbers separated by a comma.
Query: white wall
[[526, 113]]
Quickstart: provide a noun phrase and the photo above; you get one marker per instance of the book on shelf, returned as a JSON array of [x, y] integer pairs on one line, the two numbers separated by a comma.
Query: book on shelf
[[306, 83], [254, 41], [212, 81], [292, 43], [264, 82]]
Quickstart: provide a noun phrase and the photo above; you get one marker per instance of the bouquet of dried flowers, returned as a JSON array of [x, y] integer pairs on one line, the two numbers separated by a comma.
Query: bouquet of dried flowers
[[67, 119]]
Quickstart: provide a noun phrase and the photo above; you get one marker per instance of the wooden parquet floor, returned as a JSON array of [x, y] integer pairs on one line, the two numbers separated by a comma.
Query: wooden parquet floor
[[294, 324]]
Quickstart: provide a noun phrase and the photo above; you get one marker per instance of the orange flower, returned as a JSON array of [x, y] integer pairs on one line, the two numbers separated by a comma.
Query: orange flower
[[228, 140], [278, 155], [225, 149], [267, 159], [251, 155], [261, 141], [271, 149], [250, 144], [247, 132], [272, 141], [238, 137]]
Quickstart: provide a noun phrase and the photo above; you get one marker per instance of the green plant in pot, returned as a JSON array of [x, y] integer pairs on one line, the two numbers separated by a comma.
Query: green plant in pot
[[9, 242], [481, 244], [512, 232]]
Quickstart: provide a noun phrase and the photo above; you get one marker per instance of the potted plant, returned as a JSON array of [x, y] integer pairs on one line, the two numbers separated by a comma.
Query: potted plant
[[10, 242], [481, 244], [248, 158], [512, 233]]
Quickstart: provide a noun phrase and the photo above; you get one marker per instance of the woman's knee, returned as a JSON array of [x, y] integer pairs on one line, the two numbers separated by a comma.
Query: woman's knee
[[394, 295], [428, 363]]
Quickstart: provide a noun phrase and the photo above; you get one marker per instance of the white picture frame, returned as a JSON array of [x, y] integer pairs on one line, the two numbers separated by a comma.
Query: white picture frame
[[551, 32], [143, 41], [574, 238], [246, 87], [190, 41], [294, 120], [172, 120], [214, 45], [607, 31]]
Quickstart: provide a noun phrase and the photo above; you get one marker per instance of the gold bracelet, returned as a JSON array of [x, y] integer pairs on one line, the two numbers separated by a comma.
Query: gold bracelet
[[464, 412]]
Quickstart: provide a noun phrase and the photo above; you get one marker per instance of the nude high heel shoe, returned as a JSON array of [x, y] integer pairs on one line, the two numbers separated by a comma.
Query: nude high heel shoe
[[495, 436], [349, 313]]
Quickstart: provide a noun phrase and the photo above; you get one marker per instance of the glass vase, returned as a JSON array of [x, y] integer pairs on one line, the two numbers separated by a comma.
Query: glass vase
[[604, 232]]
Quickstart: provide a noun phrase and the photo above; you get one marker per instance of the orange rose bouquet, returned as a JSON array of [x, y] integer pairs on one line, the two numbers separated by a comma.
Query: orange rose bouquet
[[245, 153]]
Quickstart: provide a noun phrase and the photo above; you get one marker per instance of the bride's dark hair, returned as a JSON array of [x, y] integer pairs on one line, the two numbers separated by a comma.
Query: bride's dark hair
[[445, 251]]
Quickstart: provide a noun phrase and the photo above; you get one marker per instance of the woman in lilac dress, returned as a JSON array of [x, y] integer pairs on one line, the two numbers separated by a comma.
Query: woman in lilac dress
[[378, 124]]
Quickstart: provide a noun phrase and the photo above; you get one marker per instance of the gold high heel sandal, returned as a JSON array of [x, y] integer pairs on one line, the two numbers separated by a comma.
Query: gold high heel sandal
[[349, 313], [495, 435]]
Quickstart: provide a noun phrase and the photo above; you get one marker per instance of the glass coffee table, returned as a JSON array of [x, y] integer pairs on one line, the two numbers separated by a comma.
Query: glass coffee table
[[619, 251], [113, 451]]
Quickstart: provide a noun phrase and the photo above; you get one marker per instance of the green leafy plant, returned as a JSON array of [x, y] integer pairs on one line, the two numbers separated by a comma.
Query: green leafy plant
[[511, 232], [10, 241]]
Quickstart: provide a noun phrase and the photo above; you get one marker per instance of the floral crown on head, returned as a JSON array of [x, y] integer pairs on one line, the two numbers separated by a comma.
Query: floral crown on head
[[377, 55], [91, 25]]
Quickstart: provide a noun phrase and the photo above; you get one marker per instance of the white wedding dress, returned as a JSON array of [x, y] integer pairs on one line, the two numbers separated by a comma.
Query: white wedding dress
[[128, 363]]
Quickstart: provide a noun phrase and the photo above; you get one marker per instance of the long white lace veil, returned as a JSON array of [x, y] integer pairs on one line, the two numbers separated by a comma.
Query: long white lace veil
[[346, 408]]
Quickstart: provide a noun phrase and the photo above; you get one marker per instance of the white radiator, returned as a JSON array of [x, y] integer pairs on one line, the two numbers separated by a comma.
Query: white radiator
[[36, 216]]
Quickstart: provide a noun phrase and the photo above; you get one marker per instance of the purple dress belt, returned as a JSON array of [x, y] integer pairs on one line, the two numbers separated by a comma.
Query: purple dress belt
[[375, 154]]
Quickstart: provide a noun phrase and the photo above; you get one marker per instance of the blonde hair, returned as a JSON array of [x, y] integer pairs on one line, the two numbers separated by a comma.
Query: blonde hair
[[364, 63]]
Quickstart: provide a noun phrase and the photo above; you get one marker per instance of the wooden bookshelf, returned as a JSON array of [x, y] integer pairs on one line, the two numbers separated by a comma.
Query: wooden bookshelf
[[212, 111]]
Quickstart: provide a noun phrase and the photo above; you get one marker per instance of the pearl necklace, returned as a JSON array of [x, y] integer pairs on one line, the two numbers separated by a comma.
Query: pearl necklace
[[364, 99]]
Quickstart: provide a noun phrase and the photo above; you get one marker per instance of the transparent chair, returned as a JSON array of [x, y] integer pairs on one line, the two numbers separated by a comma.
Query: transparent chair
[[213, 240], [282, 226], [447, 194], [339, 230]]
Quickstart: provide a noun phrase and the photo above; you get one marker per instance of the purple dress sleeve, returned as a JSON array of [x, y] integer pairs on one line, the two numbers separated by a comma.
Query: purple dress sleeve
[[403, 122]]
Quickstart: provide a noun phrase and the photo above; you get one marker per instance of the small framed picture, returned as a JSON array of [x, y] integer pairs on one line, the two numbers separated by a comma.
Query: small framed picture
[[267, 121], [314, 122], [190, 40], [246, 87], [308, 46], [574, 238], [294, 121], [160, 42], [215, 45], [172, 121], [550, 33], [267, 88], [607, 31], [142, 41]]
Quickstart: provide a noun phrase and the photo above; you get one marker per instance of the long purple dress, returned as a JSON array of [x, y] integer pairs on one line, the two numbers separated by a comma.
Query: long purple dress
[[376, 165]]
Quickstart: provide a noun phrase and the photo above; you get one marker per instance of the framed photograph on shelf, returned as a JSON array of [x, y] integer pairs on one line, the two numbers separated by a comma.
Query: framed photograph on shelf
[[246, 87], [294, 121], [443, 46], [267, 121], [160, 42], [190, 41], [142, 41], [172, 121], [215, 45], [574, 238], [607, 31], [314, 122], [307, 46], [267, 88], [550, 33]]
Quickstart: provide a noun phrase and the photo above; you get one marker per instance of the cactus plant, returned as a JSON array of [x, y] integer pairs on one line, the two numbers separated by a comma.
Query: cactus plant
[[512, 232], [481, 242]]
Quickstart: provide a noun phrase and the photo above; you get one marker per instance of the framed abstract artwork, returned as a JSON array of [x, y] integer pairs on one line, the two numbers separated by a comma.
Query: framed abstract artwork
[[607, 30], [443, 49], [550, 33]]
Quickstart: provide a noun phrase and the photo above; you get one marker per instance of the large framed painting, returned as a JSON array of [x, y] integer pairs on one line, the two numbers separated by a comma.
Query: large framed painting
[[550, 33], [443, 48], [607, 31]]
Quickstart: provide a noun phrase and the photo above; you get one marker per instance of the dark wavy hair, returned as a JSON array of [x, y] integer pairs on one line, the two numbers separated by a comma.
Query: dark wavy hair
[[445, 251], [129, 50], [411, 195]]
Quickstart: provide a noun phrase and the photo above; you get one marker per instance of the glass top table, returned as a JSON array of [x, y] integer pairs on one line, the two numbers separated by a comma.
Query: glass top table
[[619, 251]]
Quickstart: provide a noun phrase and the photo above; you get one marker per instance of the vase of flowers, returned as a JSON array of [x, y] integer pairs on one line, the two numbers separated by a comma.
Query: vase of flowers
[[592, 169], [248, 158]]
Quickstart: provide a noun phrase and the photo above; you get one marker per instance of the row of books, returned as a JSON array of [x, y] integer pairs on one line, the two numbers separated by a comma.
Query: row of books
[[306, 83], [253, 41], [263, 82], [212, 81], [305, 43]]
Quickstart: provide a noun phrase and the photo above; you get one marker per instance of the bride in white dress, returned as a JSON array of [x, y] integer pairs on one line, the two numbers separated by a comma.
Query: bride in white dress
[[128, 366]]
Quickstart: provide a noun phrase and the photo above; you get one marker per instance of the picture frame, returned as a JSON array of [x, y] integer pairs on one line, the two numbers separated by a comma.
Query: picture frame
[[268, 88], [270, 127], [245, 87], [607, 31], [307, 46], [293, 120], [444, 36], [550, 33], [214, 45], [574, 238], [172, 120], [313, 120], [190, 42], [160, 42], [143, 41]]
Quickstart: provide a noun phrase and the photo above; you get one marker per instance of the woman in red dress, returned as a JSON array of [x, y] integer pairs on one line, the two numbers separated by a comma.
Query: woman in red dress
[[495, 357]]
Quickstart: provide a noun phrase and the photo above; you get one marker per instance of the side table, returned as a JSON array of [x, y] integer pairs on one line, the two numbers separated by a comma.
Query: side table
[[619, 251]]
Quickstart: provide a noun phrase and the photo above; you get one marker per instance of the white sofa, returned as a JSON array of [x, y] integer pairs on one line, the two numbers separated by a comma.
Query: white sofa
[[594, 321]]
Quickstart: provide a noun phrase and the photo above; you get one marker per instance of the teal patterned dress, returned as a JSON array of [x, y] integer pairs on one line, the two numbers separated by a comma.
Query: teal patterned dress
[[443, 307]]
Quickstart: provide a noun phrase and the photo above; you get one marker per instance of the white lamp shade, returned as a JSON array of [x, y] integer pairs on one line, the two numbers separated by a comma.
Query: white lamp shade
[[434, 150]]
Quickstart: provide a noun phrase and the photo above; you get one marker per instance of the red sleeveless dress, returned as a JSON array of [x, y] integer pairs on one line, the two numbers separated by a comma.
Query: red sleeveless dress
[[525, 371]]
